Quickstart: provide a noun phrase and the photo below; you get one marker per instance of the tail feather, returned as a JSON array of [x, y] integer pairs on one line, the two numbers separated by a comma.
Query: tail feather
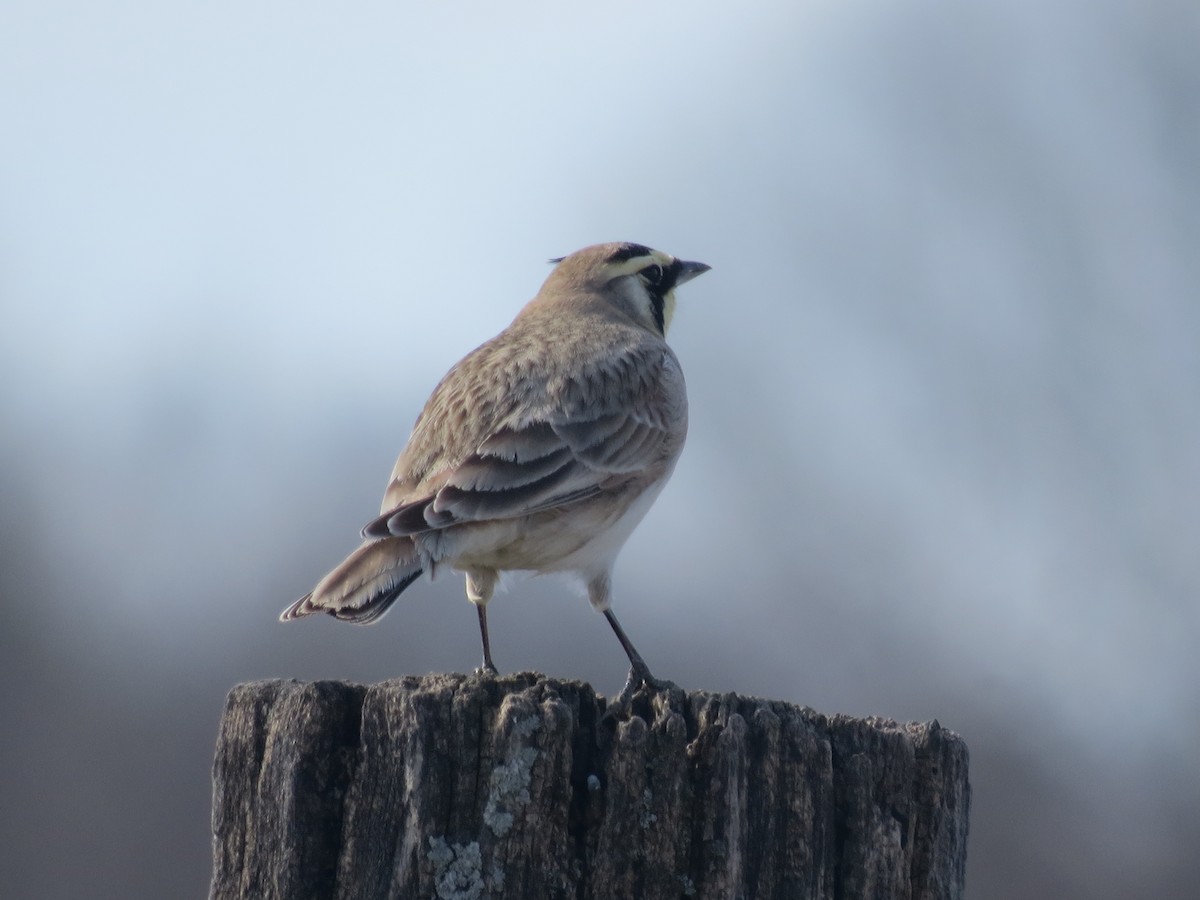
[[364, 585]]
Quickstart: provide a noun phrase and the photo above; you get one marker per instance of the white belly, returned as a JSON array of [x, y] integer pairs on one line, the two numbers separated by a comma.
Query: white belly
[[583, 538], [599, 554]]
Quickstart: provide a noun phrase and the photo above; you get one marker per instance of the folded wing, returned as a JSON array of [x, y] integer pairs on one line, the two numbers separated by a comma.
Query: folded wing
[[535, 466]]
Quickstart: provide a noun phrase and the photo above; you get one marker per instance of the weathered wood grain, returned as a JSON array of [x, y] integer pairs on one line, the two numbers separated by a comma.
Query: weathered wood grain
[[465, 787]]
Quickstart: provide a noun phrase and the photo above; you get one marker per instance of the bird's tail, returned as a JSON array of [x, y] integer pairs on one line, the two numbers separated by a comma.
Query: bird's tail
[[364, 585]]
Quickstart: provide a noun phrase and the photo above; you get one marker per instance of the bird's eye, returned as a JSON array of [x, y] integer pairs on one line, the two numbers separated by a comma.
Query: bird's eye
[[653, 275]]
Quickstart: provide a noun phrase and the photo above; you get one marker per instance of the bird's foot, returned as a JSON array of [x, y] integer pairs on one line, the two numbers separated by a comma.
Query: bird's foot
[[488, 668], [640, 681]]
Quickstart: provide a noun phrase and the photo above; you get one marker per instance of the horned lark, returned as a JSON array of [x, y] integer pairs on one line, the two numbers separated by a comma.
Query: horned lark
[[540, 451]]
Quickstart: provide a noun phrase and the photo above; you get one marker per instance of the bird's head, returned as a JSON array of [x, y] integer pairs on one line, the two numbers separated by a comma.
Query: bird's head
[[638, 280]]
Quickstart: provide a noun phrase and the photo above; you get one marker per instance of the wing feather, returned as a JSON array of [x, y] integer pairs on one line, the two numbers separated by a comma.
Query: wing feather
[[581, 434], [557, 450], [629, 450], [519, 500], [519, 445], [483, 472]]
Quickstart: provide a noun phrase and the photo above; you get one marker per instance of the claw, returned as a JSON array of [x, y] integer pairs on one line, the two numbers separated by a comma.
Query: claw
[[639, 680]]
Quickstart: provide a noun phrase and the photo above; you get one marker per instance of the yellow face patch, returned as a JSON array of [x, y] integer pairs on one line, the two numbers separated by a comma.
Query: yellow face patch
[[636, 264], [668, 310], [654, 273]]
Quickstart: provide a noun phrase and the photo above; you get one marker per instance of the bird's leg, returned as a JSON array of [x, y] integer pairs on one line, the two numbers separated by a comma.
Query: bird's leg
[[639, 672], [480, 585], [488, 666], [620, 707]]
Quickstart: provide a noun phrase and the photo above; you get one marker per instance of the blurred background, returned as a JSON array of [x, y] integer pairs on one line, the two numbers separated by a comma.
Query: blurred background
[[944, 458]]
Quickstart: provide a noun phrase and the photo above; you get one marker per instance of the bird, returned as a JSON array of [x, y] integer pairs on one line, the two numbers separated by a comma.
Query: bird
[[540, 451]]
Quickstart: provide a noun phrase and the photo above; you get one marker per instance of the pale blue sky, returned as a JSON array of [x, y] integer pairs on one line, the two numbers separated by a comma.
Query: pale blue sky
[[943, 458]]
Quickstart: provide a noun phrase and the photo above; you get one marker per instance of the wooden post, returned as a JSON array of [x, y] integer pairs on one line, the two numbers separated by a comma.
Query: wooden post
[[468, 788]]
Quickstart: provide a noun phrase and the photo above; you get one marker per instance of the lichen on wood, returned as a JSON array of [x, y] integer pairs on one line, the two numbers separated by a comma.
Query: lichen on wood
[[471, 788]]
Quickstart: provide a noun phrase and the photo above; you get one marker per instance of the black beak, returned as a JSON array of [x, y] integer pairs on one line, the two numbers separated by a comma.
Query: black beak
[[689, 270]]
